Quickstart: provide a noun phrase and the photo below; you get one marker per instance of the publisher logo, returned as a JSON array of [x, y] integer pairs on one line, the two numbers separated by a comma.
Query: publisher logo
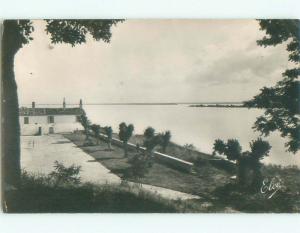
[[271, 186]]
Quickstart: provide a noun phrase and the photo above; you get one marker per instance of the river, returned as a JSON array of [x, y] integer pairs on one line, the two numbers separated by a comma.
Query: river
[[192, 125]]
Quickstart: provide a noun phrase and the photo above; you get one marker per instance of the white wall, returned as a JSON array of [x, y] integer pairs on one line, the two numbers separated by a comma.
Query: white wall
[[62, 123], [44, 119]]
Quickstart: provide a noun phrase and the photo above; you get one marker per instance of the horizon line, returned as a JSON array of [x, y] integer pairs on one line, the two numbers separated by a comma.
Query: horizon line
[[142, 103]]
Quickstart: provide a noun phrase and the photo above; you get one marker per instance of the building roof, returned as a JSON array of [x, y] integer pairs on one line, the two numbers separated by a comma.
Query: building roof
[[49, 111]]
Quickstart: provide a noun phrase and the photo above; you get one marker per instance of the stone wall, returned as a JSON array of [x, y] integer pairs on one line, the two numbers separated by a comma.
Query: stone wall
[[159, 157]]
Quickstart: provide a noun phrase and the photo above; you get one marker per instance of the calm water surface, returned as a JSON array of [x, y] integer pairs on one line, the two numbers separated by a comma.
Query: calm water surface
[[197, 126]]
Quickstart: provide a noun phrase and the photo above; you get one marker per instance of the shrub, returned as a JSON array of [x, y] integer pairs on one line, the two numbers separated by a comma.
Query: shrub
[[65, 175], [140, 165], [37, 195], [96, 130]]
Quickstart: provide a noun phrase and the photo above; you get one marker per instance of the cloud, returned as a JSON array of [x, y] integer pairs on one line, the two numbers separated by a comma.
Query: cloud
[[151, 61], [240, 67]]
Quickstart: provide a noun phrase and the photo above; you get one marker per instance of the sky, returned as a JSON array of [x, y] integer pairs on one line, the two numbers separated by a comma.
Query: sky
[[151, 61]]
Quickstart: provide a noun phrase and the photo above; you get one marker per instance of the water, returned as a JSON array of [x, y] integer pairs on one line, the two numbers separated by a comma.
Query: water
[[197, 126], [192, 125]]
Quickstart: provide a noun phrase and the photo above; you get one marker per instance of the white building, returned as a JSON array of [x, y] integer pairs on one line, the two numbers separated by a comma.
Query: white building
[[38, 121]]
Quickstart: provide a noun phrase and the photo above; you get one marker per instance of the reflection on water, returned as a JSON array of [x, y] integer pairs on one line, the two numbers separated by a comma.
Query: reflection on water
[[197, 126]]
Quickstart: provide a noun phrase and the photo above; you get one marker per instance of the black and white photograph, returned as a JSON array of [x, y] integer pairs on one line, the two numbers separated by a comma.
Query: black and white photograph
[[150, 115]]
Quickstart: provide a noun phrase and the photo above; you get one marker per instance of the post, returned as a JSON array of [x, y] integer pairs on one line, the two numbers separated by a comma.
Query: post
[[80, 103]]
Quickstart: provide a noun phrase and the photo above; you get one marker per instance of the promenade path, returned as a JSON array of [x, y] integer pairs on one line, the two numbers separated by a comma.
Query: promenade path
[[38, 154]]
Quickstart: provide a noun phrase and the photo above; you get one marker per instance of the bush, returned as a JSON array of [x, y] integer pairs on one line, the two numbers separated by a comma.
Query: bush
[[140, 165], [37, 195], [65, 175]]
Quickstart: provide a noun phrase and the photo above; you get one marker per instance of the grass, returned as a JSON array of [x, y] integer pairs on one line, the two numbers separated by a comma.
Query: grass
[[181, 152], [37, 195], [252, 201], [203, 181], [211, 182]]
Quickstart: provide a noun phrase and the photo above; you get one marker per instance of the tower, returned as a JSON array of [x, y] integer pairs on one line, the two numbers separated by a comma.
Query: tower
[[80, 103], [64, 103]]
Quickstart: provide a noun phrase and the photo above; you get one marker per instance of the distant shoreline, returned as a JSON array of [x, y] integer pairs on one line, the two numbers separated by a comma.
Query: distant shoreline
[[218, 106], [191, 104]]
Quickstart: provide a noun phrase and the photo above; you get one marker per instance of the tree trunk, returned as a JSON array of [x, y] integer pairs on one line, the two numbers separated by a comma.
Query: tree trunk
[[109, 144], [11, 171], [257, 176], [240, 172], [125, 148], [87, 136]]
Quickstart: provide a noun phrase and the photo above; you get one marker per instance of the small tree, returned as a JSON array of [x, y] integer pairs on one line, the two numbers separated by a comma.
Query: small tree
[[85, 124], [259, 149], [245, 160], [233, 151], [151, 140], [125, 133], [65, 175], [166, 137], [149, 133], [219, 146], [96, 130], [108, 132]]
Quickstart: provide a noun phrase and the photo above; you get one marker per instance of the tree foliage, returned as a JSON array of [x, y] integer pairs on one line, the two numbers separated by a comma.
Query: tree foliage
[[151, 140], [96, 130], [75, 31], [259, 149], [86, 124], [149, 133], [65, 175], [248, 160], [125, 133], [281, 102], [165, 140], [17, 33], [109, 132], [232, 149], [219, 146]]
